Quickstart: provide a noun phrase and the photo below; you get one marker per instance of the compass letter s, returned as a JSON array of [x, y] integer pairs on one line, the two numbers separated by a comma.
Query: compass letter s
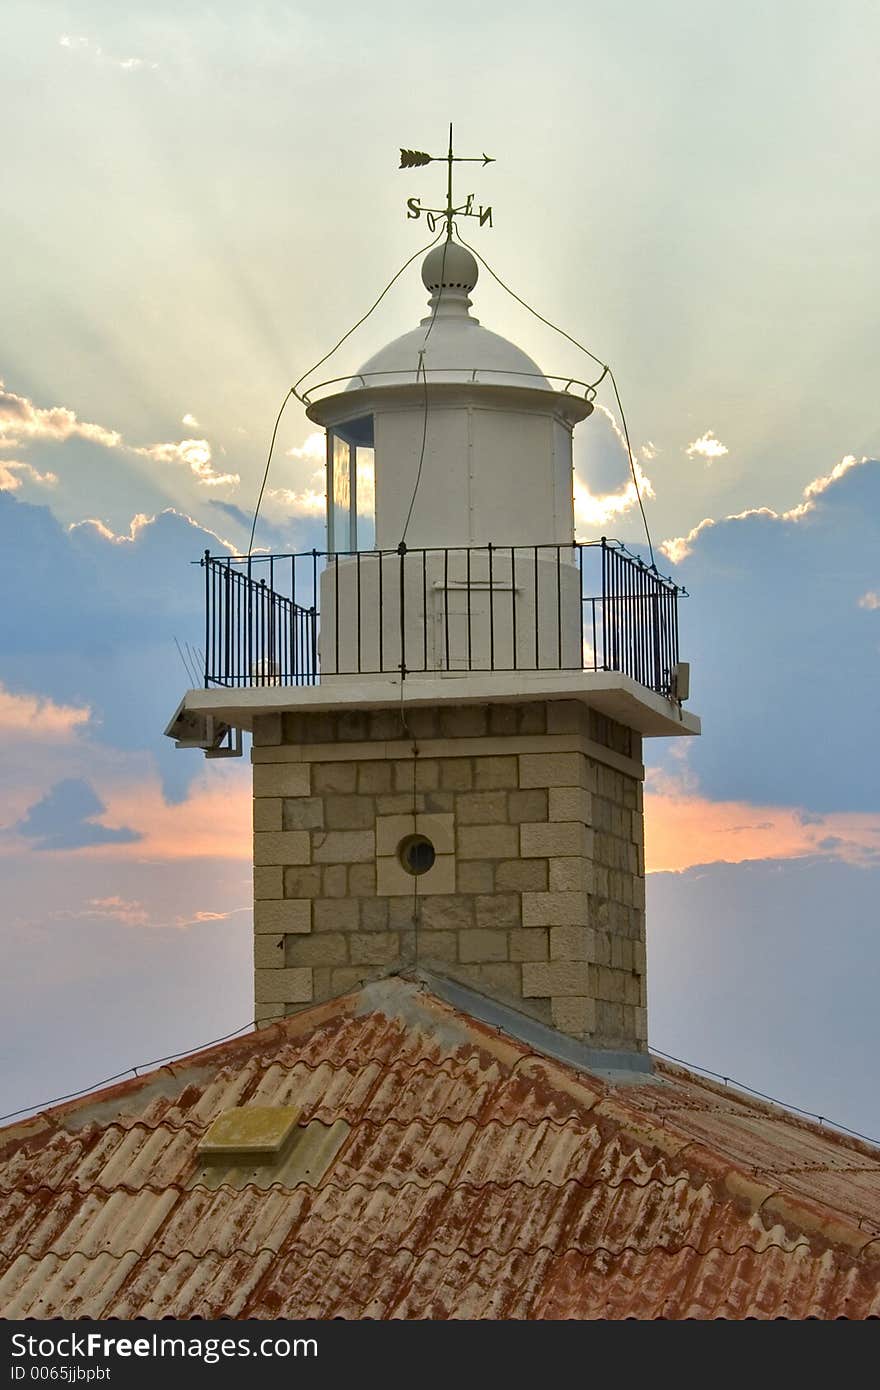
[[413, 207]]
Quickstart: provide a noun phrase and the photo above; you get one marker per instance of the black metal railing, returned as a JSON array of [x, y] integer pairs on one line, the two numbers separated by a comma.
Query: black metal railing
[[297, 619]]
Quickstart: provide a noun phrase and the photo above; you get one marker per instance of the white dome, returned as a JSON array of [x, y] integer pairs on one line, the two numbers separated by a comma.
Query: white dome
[[456, 346]]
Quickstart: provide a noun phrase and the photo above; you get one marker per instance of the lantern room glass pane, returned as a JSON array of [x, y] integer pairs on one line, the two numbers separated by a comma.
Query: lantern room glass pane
[[340, 493], [351, 503], [365, 473]]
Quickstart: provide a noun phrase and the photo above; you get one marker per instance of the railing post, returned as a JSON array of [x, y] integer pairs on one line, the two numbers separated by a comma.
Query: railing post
[[207, 564], [401, 550]]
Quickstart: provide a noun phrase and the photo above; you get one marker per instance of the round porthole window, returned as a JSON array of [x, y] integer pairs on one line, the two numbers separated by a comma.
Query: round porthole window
[[416, 854]]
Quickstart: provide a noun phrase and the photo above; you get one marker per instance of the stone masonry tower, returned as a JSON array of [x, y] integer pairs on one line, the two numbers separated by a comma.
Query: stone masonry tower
[[448, 706]]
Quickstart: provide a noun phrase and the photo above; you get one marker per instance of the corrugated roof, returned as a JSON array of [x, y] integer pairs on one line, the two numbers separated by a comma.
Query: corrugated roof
[[467, 1176]]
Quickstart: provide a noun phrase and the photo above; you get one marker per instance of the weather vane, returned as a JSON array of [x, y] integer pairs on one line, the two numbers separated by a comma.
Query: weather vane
[[413, 159]]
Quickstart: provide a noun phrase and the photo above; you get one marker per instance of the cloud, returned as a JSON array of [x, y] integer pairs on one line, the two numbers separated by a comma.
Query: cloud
[[870, 600], [190, 421], [678, 548], [649, 450], [21, 421], [12, 470], [116, 909], [65, 818], [684, 828], [79, 43], [707, 447], [595, 511], [604, 490], [313, 450], [36, 717], [309, 502], [780, 668], [194, 454]]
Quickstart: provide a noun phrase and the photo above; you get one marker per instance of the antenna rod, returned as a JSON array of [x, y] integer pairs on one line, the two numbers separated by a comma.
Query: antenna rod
[[449, 207]]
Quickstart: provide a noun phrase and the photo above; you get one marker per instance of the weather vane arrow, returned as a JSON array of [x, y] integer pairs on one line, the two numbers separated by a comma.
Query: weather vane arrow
[[415, 159]]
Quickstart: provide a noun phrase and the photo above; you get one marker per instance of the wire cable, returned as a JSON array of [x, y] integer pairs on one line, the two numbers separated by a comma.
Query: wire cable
[[606, 371], [118, 1076], [741, 1085], [225, 1037], [294, 390], [266, 471], [421, 369]]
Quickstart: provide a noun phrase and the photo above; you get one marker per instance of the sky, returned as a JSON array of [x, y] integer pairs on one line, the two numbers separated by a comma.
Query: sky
[[197, 202]]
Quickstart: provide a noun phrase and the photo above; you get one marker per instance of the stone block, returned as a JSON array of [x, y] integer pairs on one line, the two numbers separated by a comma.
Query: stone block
[[362, 880], [456, 774], [269, 952], [349, 812], [571, 874], [572, 943], [302, 813], [481, 808], [374, 777], [475, 876], [576, 1017], [567, 717], [398, 804], [503, 720], [487, 841], [527, 805], [281, 847], [464, 721], [522, 875], [267, 730], [268, 882], [528, 943], [622, 953], [373, 914], [374, 948], [555, 978], [334, 881], [552, 770], [335, 914], [611, 985], [285, 986], [569, 803], [497, 910], [416, 774], [345, 978], [282, 779], [287, 915], [267, 1014], [436, 945], [493, 978], [335, 777], [344, 846], [321, 948], [390, 830], [492, 773], [554, 909], [478, 944], [543, 839], [610, 1021], [267, 813], [447, 912]]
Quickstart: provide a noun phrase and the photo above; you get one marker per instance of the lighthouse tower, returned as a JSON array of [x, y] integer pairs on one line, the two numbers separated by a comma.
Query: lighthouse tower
[[448, 704]]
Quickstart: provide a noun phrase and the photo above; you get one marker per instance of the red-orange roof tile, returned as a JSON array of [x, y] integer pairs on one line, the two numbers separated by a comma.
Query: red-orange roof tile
[[475, 1178]]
